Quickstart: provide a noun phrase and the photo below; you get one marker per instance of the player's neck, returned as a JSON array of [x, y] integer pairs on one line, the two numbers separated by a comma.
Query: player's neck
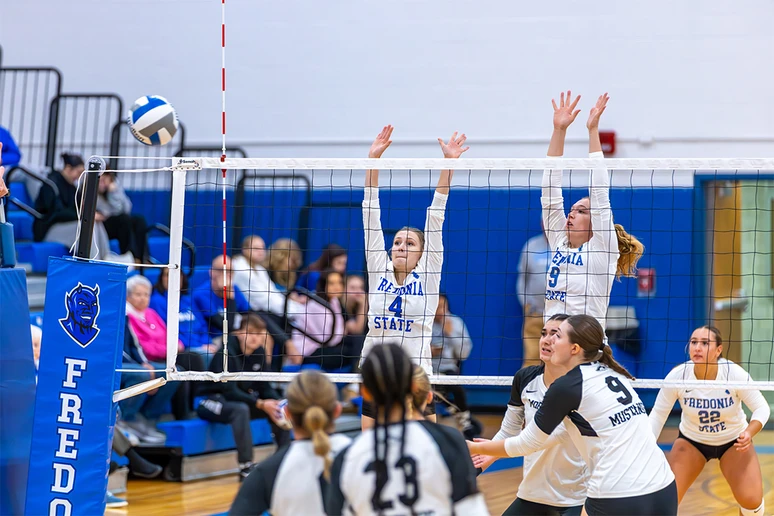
[[400, 277], [705, 371], [551, 372], [395, 415]]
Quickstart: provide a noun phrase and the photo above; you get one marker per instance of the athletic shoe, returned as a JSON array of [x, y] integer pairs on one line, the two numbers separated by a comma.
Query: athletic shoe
[[146, 432], [113, 502], [134, 439]]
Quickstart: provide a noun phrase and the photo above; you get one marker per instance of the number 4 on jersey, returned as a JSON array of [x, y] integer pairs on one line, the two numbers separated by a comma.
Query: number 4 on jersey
[[397, 307]]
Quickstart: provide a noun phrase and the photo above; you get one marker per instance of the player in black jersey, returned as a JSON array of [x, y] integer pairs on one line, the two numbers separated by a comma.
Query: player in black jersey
[[401, 466], [609, 425], [292, 480]]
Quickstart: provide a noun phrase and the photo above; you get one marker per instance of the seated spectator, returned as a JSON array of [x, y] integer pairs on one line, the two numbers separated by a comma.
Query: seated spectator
[[252, 278], [149, 327], [58, 208], [151, 332], [333, 257], [236, 403], [115, 208], [139, 413], [207, 301], [356, 315], [323, 327], [193, 332], [138, 465], [451, 344], [37, 336], [10, 155], [283, 261]]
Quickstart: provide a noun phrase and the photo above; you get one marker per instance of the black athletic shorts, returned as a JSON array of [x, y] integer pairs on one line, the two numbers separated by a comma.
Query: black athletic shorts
[[521, 507], [368, 409], [709, 452], [660, 503]]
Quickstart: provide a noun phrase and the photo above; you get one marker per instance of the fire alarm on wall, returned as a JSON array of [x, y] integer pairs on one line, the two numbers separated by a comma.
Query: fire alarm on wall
[[608, 142]]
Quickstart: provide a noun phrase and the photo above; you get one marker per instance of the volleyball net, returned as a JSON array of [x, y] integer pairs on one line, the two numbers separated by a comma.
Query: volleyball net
[[706, 225]]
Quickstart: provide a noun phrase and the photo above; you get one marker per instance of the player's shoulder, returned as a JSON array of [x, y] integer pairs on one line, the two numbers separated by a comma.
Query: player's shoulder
[[339, 442], [268, 469], [735, 371], [526, 374], [680, 371], [446, 437]]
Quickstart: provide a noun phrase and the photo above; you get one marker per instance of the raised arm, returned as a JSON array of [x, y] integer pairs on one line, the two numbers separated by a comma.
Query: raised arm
[[433, 253], [376, 256], [599, 189], [551, 200]]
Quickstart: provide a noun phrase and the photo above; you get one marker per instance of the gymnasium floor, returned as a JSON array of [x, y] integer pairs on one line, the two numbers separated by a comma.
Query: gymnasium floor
[[709, 495]]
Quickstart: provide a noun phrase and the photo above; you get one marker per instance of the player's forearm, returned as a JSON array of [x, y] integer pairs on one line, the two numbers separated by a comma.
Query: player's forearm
[[595, 145], [556, 145], [754, 428], [531, 440], [372, 178], [444, 182]]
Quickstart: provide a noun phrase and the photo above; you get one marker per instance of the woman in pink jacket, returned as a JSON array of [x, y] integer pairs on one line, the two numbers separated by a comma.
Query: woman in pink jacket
[[148, 326]]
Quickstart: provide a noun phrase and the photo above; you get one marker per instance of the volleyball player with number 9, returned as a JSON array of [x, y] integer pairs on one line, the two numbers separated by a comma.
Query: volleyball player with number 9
[[588, 250], [403, 292]]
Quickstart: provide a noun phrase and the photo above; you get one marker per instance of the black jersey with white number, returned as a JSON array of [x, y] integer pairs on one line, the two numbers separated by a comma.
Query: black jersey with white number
[[290, 482], [609, 426], [434, 476]]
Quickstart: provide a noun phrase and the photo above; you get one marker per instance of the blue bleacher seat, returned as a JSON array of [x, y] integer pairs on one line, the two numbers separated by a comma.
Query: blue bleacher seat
[[114, 247], [196, 436], [22, 224], [121, 461], [36, 254], [36, 318], [19, 190]]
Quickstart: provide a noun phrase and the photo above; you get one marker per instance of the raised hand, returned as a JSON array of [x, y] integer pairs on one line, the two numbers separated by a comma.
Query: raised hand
[[596, 112], [381, 142], [454, 148], [565, 113]]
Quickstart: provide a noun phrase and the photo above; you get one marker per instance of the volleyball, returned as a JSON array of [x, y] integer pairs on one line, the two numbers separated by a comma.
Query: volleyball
[[153, 120]]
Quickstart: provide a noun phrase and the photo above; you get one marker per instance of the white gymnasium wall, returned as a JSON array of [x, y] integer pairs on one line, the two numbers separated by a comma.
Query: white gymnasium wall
[[318, 78]]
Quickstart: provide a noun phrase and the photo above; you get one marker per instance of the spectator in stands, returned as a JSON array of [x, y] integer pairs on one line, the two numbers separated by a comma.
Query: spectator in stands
[[58, 208], [531, 292], [10, 155], [356, 327], [208, 300], [451, 344], [138, 413], [37, 336], [333, 257], [138, 465], [193, 331], [151, 332], [236, 403], [322, 325], [252, 278], [148, 325], [116, 208], [283, 261]]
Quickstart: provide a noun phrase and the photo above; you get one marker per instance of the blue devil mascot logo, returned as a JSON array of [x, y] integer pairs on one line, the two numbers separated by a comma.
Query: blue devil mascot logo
[[82, 304]]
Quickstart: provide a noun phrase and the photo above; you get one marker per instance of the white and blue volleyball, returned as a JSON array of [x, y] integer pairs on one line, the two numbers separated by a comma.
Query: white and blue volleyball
[[153, 120]]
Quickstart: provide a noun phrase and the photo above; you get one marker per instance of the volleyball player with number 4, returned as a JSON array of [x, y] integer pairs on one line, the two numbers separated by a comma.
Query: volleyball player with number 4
[[403, 291], [588, 250]]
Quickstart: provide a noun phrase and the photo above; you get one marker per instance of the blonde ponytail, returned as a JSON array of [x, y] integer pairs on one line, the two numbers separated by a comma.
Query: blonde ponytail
[[630, 251], [312, 404], [316, 423]]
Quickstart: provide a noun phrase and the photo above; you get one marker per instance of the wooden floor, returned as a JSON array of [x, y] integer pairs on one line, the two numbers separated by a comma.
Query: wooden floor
[[709, 495]]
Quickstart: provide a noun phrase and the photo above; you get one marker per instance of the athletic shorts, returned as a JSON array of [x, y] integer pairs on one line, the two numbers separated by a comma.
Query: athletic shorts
[[521, 507], [663, 502], [368, 409], [709, 452]]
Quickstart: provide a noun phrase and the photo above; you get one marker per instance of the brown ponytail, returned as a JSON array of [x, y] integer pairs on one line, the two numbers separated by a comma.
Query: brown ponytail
[[312, 402], [630, 251], [420, 388], [586, 332]]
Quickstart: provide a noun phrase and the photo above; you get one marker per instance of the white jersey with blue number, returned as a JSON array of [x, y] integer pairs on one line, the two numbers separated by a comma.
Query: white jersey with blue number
[[579, 280], [403, 314], [710, 415]]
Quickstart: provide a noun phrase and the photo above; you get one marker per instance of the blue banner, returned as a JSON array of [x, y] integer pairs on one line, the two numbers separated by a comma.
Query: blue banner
[[83, 333]]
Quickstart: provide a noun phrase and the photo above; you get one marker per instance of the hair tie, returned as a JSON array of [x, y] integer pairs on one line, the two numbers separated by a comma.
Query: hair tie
[[604, 343]]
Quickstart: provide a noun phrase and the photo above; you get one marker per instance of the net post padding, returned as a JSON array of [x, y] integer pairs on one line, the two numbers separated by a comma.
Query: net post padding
[[175, 257]]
